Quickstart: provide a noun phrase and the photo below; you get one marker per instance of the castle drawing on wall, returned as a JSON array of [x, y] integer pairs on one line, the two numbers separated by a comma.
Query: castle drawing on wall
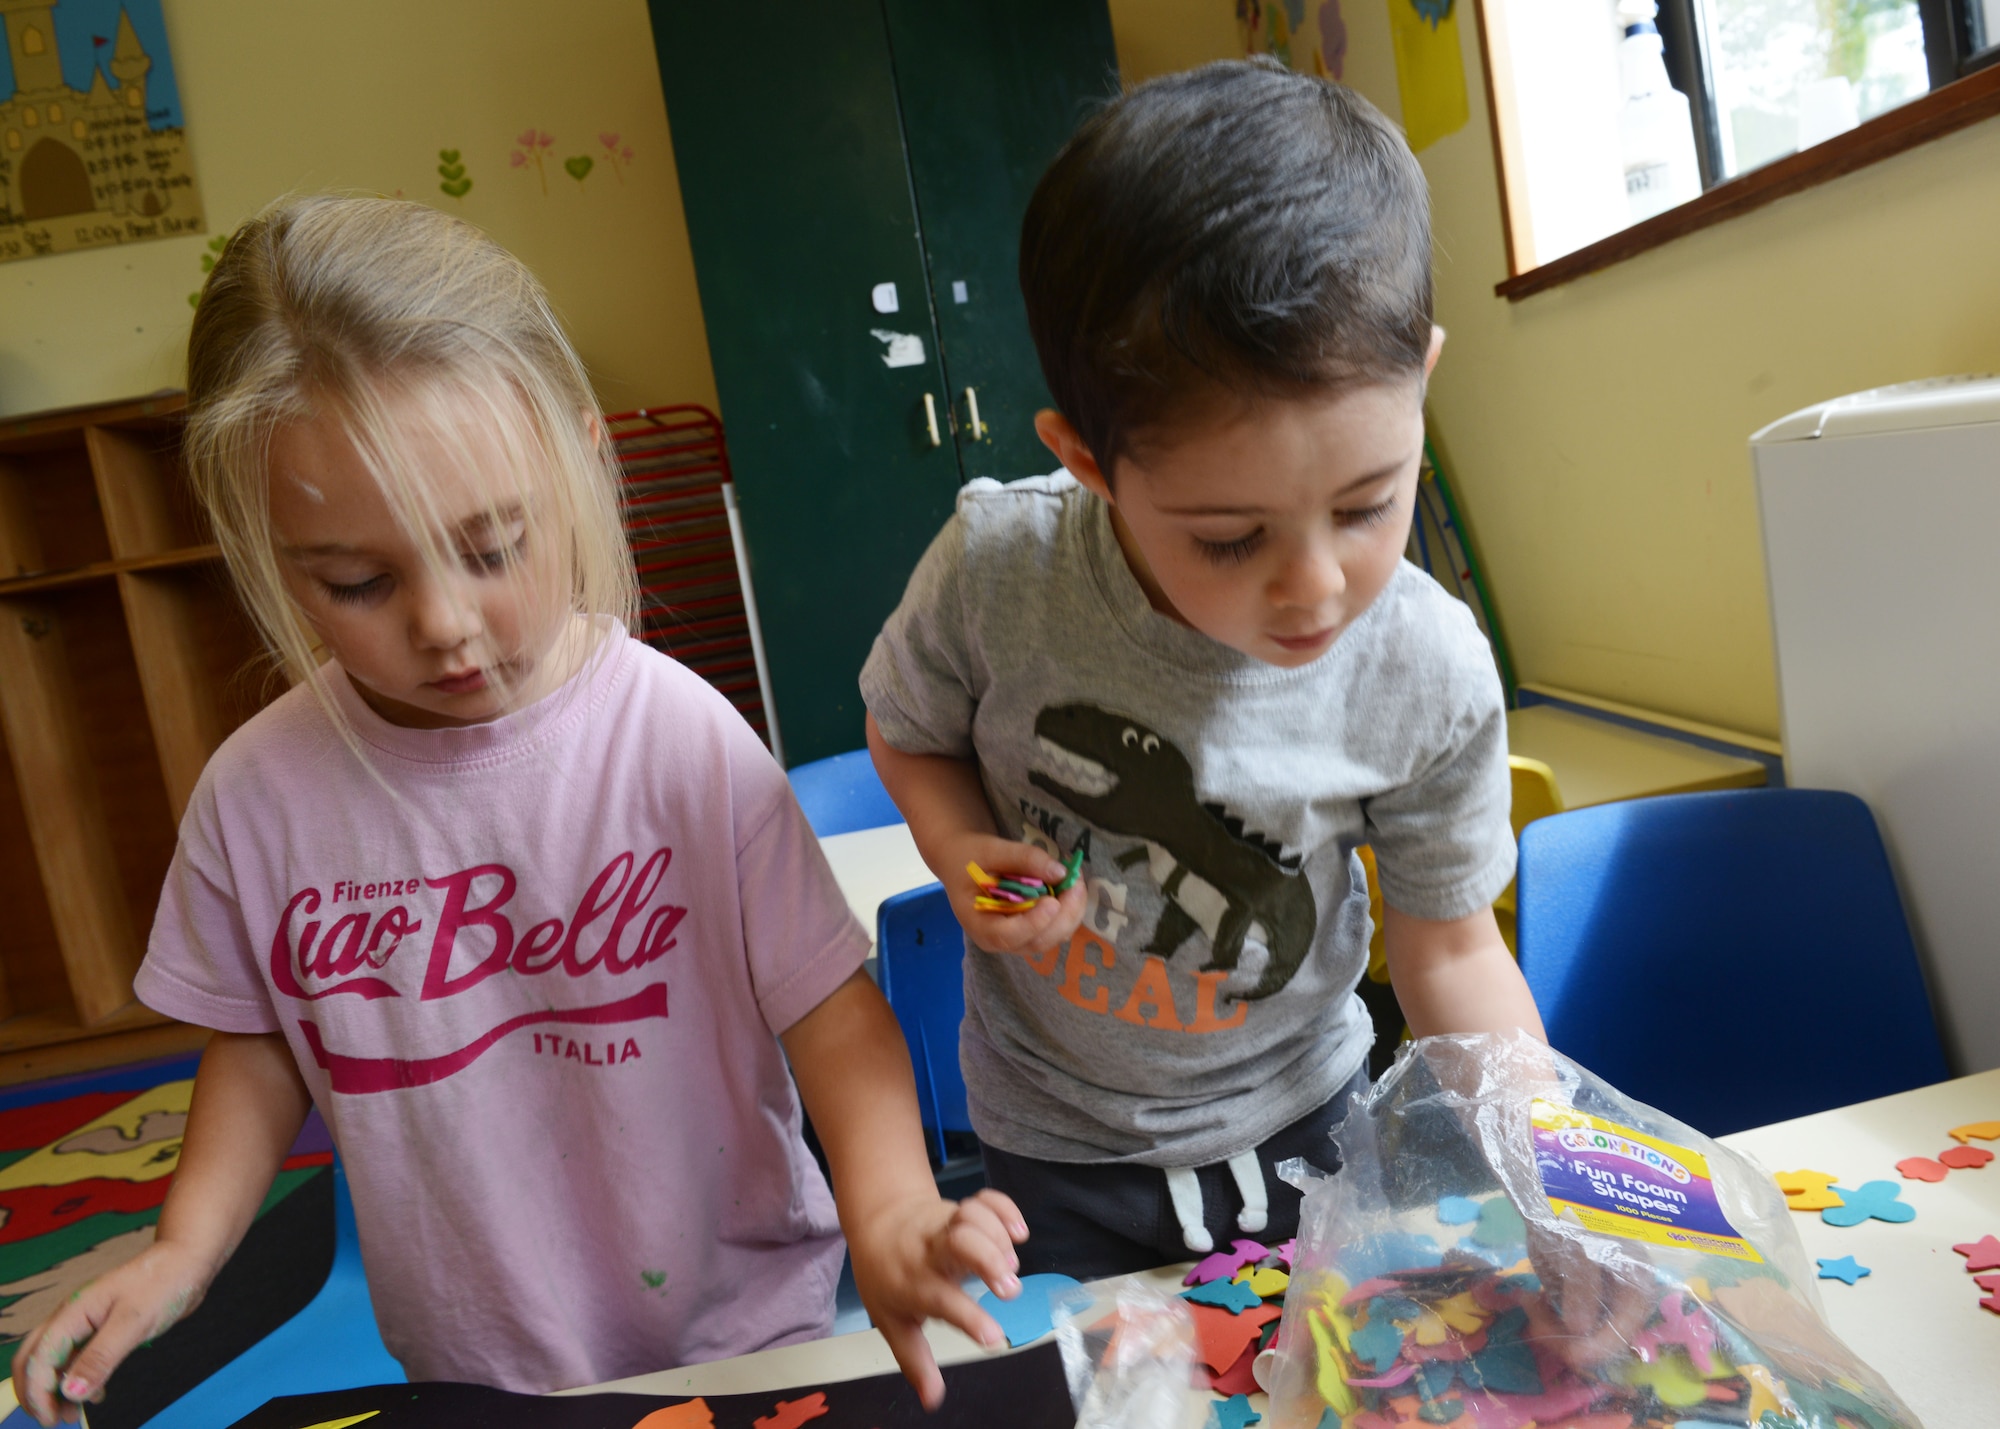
[[93, 151]]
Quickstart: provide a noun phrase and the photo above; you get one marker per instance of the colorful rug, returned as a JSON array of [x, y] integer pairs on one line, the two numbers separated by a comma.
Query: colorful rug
[[85, 1163]]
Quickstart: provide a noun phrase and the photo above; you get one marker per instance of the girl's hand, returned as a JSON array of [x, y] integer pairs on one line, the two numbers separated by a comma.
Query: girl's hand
[[1050, 921], [909, 1261], [65, 1360]]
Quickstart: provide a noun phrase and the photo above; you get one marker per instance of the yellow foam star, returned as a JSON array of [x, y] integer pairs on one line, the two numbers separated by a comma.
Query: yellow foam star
[[343, 1423], [1984, 1130], [1808, 1190]]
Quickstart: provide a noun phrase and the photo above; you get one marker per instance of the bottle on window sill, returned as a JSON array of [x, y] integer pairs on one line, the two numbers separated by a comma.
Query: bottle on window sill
[[1655, 126]]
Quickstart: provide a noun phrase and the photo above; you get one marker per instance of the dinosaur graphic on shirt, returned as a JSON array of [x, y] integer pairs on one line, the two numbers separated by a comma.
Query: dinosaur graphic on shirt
[[1217, 878]]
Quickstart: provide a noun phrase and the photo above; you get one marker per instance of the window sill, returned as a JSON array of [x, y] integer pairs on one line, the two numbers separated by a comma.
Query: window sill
[[1959, 104]]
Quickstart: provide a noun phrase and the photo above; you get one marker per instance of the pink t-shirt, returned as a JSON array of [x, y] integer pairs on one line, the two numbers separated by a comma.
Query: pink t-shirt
[[534, 972]]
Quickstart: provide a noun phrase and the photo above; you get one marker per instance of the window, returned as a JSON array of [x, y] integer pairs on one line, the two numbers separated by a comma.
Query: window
[[1608, 113], [31, 41]]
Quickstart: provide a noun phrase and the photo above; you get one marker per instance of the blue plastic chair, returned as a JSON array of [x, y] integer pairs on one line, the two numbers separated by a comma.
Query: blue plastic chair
[[841, 794], [1732, 958], [921, 952]]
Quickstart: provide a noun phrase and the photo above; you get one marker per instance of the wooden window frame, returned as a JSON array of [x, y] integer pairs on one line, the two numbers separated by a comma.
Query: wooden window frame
[[1944, 110]]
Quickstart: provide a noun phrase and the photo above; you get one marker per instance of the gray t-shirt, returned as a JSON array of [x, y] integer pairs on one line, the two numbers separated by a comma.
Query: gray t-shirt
[[1208, 1000]]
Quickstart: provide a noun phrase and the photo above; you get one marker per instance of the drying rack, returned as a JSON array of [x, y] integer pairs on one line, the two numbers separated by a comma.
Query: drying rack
[[696, 600]]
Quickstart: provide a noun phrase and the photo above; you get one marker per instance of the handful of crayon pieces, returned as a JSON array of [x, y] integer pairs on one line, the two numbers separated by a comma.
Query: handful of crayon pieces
[[1017, 893]]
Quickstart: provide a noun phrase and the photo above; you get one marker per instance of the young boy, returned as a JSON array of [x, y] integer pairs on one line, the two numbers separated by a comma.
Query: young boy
[[1197, 655]]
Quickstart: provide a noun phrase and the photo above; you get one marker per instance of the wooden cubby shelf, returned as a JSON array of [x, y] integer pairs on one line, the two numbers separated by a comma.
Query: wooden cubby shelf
[[124, 662]]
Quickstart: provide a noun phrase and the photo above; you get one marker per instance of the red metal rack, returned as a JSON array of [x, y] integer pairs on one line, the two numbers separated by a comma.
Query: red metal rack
[[695, 598]]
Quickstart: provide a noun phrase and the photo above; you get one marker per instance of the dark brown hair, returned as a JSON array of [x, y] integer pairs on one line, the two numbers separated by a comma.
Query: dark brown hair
[[1235, 230]]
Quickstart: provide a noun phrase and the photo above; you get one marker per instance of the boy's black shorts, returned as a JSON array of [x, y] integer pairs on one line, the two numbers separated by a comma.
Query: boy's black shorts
[[1091, 1221]]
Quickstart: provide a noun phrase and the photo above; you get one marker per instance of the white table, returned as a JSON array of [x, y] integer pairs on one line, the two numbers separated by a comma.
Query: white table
[[1916, 1319], [873, 864]]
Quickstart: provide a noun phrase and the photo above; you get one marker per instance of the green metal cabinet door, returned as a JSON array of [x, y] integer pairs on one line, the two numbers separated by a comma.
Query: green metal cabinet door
[[798, 203], [990, 90]]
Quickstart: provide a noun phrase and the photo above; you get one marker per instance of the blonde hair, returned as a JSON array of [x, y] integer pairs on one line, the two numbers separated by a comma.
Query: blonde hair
[[349, 307]]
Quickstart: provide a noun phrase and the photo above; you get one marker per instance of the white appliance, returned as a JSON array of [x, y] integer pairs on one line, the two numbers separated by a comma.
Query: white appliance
[[1881, 517]]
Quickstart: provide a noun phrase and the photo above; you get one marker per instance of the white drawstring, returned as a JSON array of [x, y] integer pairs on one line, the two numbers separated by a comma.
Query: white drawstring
[[1184, 1189], [1185, 1192], [1249, 1175]]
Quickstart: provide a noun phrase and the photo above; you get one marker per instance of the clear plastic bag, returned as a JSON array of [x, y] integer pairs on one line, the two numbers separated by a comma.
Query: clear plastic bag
[[1131, 1368], [1511, 1242]]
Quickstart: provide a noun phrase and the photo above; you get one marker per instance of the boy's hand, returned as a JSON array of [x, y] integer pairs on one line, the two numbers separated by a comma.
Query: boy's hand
[[909, 1260], [65, 1361], [1050, 921]]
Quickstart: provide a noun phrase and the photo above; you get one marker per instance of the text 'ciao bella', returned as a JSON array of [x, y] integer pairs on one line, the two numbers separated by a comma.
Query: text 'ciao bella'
[[612, 928]]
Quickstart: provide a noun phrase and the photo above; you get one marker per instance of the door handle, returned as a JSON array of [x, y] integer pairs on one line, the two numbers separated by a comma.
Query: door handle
[[972, 413], [930, 420]]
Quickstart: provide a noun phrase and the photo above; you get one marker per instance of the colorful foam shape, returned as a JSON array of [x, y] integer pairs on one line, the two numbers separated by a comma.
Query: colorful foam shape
[[1989, 1283], [1844, 1269], [1991, 1302], [1965, 1158], [1458, 1210], [1876, 1200], [1281, 1256], [791, 1413], [1981, 1254], [1238, 1378], [1225, 1263], [1222, 1337], [1233, 1413], [695, 1414], [1378, 1343], [344, 1423], [1234, 1296], [1265, 1280], [1921, 1168], [1693, 1332], [1984, 1130], [1026, 1318], [1500, 1224], [1672, 1379], [1808, 1190]]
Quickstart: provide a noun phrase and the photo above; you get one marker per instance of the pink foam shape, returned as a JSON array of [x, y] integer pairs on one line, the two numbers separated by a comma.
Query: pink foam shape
[[1225, 1263], [1694, 1333], [1394, 1377]]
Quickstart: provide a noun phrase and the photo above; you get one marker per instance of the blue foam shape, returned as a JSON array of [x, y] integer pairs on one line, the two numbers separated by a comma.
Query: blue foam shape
[[1458, 1210], [1844, 1269], [1026, 1318], [1377, 1343], [1233, 1413], [1878, 1199], [1235, 1296]]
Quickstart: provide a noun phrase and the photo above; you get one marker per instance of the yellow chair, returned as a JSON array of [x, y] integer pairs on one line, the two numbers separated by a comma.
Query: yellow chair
[[1534, 797]]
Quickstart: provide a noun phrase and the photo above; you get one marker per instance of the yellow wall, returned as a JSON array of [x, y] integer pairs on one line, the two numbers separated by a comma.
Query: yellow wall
[[361, 95], [1156, 37], [1598, 431]]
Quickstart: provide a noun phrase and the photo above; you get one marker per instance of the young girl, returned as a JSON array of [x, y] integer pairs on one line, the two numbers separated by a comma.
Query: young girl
[[521, 905]]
